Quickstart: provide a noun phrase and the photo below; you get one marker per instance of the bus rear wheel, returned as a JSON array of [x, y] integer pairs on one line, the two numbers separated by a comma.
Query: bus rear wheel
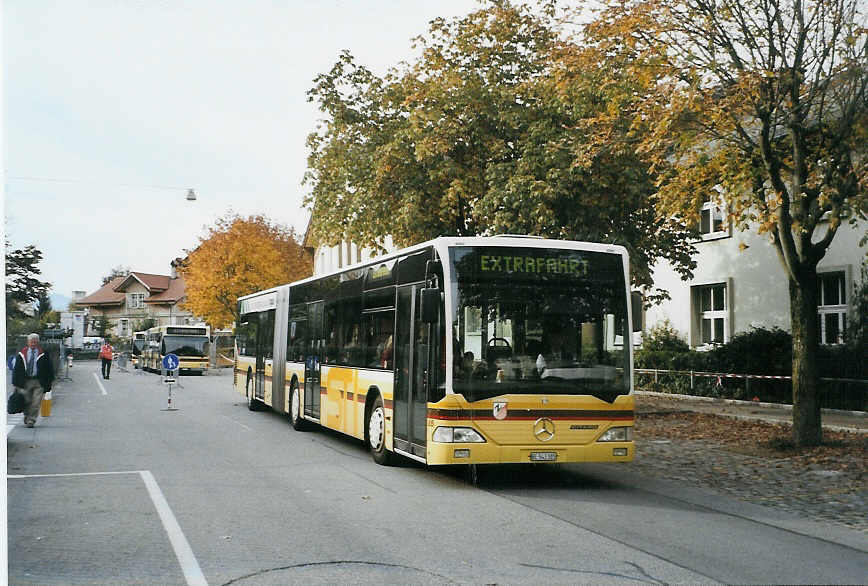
[[295, 407], [377, 433]]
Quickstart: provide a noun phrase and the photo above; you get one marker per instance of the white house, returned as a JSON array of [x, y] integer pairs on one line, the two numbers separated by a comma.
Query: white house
[[739, 283], [327, 259]]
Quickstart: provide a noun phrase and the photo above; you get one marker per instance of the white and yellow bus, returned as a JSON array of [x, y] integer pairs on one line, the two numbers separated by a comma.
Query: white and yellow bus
[[138, 347], [455, 351], [191, 344]]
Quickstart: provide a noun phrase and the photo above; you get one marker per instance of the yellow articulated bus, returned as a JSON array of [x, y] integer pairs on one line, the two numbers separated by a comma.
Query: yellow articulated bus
[[138, 347], [191, 344], [456, 351]]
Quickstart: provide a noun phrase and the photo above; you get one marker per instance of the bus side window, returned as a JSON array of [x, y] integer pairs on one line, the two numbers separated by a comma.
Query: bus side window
[[297, 334], [266, 333], [351, 318], [332, 335], [379, 328]]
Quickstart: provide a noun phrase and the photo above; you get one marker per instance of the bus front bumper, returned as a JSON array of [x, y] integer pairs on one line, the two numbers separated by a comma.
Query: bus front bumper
[[490, 453]]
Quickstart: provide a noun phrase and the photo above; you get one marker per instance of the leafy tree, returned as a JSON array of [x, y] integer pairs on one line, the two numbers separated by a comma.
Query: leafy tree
[[23, 286], [118, 271], [144, 324], [476, 137], [239, 256], [101, 325], [765, 102], [17, 329], [43, 304]]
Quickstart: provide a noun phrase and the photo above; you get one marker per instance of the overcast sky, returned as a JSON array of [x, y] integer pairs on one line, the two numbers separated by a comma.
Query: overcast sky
[[113, 108]]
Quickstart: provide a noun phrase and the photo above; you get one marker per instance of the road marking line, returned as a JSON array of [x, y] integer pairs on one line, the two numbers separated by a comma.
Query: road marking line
[[62, 475], [102, 388], [238, 422], [189, 565], [12, 421]]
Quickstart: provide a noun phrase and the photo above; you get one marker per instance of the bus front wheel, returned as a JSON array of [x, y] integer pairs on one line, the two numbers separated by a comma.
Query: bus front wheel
[[377, 433]]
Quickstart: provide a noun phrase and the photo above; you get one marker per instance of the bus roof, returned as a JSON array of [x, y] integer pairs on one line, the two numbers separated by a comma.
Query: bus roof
[[442, 243]]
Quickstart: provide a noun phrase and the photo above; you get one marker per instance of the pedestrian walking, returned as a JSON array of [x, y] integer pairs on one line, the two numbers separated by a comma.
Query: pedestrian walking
[[106, 353], [32, 374]]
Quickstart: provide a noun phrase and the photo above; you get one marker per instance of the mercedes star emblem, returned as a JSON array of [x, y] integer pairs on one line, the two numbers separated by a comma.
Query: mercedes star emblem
[[544, 429]]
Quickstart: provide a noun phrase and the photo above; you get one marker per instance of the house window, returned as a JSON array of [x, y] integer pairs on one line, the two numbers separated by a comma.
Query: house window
[[123, 327], [832, 307], [136, 301], [712, 219], [712, 313]]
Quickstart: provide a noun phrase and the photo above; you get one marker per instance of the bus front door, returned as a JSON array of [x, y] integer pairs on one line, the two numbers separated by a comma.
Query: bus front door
[[412, 349], [312, 366]]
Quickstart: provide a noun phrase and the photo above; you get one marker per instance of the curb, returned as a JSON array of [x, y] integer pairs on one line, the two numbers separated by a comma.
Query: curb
[[746, 403]]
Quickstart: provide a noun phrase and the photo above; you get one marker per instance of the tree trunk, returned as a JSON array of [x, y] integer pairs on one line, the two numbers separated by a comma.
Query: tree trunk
[[807, 430]]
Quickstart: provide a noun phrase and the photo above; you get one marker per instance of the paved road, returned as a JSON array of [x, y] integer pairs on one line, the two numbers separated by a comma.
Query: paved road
[[111, 489]]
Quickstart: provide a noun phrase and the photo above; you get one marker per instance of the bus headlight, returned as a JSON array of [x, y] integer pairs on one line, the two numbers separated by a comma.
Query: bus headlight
[[457, 435], [617, 434]]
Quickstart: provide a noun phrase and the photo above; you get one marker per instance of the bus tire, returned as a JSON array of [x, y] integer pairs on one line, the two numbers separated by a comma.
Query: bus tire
[[252, 403], [376, 433], [295, 407]]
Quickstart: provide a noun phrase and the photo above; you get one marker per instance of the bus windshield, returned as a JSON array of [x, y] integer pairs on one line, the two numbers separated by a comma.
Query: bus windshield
[[539, 320], [185, 345]]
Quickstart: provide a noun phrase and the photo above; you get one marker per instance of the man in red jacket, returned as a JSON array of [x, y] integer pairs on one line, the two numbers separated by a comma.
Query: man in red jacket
[[106, 353], [33, 374]]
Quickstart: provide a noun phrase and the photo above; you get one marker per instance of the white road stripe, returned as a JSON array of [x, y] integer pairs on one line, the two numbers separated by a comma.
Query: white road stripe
[[62, 475], [189, 565], [12, 420], [102, 388]]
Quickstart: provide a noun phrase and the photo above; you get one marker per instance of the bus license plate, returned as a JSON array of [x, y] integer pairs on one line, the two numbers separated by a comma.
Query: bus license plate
[[543, 456]]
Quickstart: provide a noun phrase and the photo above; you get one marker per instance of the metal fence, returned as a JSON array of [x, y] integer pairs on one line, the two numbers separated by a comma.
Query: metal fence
[[835, 393]]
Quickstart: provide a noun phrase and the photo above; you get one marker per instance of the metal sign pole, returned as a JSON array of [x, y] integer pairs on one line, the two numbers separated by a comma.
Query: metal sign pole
[[170, 369], [169, 406]]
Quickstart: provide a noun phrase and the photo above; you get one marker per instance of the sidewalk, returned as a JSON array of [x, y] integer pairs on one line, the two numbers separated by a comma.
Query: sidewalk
[[690, 442], [833, 420]]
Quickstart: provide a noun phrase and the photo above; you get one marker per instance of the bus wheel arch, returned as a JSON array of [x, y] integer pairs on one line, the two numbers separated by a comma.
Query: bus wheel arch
[[252, 403], [295, 406], [375, 421]]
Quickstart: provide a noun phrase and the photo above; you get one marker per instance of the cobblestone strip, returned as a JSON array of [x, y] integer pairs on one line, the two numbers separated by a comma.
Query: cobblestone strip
[[838, 496]]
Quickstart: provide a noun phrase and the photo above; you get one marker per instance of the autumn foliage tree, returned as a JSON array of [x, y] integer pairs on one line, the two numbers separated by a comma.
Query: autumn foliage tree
[[762, 101], [239, 256], [474, 138]]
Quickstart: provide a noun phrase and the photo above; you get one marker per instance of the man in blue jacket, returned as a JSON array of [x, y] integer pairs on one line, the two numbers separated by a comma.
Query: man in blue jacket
[[32, 375]]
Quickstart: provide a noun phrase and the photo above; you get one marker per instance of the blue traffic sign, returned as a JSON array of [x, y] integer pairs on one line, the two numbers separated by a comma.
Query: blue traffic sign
[[170, 362]]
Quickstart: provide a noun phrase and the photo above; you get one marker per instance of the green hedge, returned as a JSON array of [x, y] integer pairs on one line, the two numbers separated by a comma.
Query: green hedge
[[760, 351], [757, 351]]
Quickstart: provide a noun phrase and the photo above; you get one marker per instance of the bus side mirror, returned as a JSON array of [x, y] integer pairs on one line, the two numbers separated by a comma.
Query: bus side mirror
[[430, 305], [637, 310]]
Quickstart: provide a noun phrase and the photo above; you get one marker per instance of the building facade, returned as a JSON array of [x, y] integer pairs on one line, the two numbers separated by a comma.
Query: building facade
[[128, 302], [739, 283], [327, 259]]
